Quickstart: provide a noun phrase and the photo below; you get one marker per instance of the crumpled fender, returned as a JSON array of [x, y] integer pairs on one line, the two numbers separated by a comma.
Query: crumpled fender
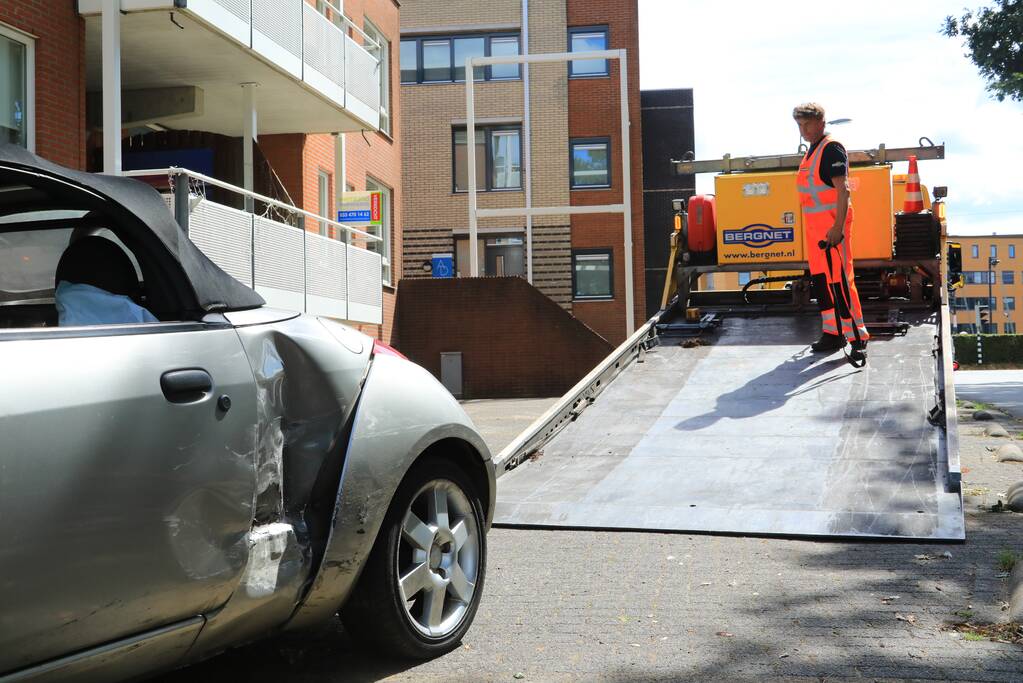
[[403, 410]]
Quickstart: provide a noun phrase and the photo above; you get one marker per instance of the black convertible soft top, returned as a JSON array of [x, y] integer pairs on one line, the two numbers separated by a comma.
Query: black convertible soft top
[[29, 182]]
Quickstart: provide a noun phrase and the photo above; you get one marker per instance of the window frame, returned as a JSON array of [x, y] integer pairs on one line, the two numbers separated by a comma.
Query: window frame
[[599, 28], [30, 80], [451, 38], [572, 142], [994, 251], [386, 227], [1008, 277], [488, 169], [1012, 251], [975, 250], [607, 251]]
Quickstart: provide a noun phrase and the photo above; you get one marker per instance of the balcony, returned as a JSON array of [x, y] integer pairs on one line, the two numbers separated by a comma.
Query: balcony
[[269, 249], [313, 76]]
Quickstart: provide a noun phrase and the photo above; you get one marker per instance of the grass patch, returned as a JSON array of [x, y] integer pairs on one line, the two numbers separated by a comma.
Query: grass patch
[[964, 614], [998, 633], [1007, 560]]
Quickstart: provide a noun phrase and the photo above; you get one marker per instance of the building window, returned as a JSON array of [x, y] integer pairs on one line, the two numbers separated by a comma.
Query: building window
[[410, 66], [464, 49], [383, 53], [441, 59], [744, 279], [498, 158], [1012, 251], [17, 88], [975, 251], [504, 46], [1008, 277], [1009, 303], [324, 203], [587, 39], [969, 303], [1010, 328], [498, 255], [383, 247], [994, 251], [592, 274], [591, 162], [436, 60]]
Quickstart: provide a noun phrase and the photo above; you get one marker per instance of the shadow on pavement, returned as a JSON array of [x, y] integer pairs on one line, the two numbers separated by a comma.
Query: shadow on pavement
[[322, 654]]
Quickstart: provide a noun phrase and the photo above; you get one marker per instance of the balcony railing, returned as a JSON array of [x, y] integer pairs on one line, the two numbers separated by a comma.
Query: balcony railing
[[294, 37], [270, 251]]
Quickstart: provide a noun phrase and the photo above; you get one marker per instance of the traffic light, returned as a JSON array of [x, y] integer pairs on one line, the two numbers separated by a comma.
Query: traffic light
[[955, 265], [985, 316]]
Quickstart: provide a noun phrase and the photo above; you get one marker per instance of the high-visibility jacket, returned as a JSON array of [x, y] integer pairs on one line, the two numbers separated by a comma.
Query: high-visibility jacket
[[818, 199]]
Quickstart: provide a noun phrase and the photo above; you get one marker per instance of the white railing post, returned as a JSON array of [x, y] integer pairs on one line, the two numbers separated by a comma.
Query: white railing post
[[111, 39], [625, 208], [249, 127]]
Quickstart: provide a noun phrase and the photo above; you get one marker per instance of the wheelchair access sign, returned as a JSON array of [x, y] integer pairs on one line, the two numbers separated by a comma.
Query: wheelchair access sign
[[360, 209]]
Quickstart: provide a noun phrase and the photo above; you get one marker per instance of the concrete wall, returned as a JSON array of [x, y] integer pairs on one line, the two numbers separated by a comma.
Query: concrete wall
[[494, 323]]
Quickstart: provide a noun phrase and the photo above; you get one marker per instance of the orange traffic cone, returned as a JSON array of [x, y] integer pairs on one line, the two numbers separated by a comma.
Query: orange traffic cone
[[914, 202]]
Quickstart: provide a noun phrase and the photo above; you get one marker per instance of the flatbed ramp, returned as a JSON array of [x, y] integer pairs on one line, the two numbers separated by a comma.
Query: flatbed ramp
[[753, 434]]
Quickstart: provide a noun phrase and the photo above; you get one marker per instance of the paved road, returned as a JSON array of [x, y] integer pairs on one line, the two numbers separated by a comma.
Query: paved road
[[630, 607], [1000, 388]]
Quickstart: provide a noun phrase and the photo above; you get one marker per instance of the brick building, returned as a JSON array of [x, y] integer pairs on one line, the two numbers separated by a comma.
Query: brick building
[[575, 147], [998, 260], [324, 112]]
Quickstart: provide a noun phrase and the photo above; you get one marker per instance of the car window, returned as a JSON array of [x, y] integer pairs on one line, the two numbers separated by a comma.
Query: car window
[[28, 261], [30, 296]]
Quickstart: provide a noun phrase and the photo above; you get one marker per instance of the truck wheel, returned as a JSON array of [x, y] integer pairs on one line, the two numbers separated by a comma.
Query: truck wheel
[[421, 586]]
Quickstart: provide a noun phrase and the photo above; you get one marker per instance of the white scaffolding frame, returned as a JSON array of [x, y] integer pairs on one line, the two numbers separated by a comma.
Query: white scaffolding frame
[[624, 208]]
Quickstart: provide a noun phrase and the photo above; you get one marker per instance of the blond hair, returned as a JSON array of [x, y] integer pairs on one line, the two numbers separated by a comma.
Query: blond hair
[[808, 110]]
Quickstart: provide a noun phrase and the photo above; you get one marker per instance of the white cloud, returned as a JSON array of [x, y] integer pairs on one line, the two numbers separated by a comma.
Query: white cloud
[[883, 64]]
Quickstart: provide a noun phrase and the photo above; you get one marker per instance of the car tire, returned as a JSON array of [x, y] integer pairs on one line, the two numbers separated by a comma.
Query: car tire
[[422, 583]]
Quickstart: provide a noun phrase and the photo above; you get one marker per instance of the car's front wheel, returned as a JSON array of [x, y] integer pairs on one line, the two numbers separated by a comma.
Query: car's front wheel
[[420, 589]]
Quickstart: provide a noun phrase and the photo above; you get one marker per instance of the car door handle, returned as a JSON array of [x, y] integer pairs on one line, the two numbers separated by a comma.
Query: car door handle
[[186, 386]]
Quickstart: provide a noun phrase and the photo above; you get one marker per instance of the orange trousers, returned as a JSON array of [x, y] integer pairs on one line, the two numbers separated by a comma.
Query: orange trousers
[[839, 302]]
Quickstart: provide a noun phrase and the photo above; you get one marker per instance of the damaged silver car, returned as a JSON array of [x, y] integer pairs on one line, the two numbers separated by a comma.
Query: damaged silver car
[[183, 469]]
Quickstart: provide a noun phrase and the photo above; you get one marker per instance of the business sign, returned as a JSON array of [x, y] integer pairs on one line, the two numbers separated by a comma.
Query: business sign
[[759, 236], [360, 209]]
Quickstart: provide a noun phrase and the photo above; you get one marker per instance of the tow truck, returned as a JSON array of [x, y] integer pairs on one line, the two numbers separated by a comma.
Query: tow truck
[[716, 417]]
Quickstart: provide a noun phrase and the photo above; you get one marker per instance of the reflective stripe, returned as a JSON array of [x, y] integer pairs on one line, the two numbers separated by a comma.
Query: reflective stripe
[[812, 201], [820, 208]]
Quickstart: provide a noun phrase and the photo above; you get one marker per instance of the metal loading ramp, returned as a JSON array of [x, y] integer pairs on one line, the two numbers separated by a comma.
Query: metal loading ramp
[[753, 434]]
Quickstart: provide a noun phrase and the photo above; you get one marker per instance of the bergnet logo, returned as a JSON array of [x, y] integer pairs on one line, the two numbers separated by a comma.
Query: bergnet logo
[[759, 236]]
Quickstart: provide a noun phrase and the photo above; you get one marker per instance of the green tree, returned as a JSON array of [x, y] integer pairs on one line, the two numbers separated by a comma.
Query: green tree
[[993, 36]]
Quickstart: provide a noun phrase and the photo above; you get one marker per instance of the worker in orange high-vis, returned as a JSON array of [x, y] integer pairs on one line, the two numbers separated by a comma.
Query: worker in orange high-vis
[[823, 187]]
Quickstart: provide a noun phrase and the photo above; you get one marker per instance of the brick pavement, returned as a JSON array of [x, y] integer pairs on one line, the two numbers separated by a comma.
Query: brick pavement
[[600, 606]]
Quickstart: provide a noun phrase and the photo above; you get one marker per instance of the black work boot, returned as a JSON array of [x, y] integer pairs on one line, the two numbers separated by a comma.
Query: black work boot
[[828, 343]]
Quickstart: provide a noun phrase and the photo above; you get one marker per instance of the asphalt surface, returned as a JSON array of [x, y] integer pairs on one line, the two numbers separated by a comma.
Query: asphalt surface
[[1000, 388], [602, 606]]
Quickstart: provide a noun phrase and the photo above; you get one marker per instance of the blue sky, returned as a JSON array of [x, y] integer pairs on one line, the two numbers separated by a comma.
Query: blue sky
[[882, 64]]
